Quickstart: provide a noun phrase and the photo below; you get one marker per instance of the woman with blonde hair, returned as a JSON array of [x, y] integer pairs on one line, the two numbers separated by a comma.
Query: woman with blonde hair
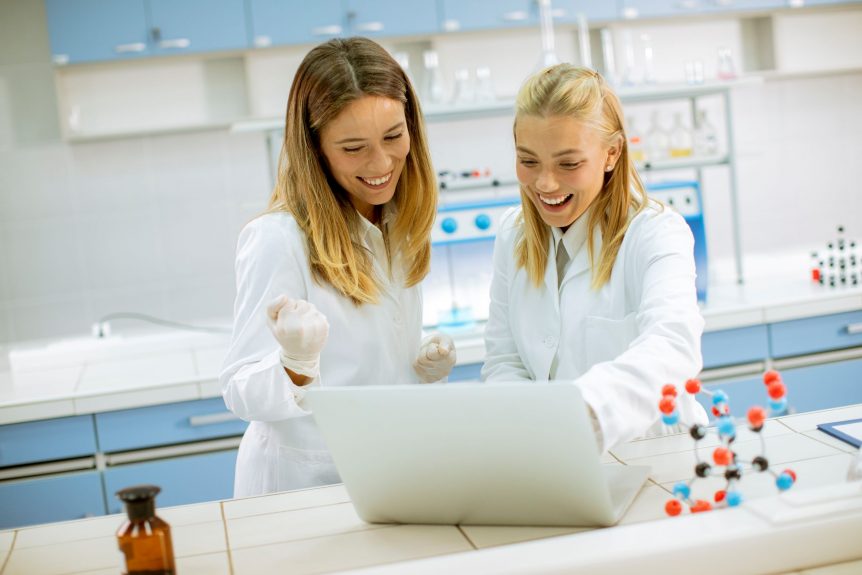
[[328, 279], [593, 281]]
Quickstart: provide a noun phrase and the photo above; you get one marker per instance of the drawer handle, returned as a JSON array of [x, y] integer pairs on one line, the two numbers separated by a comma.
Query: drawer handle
[[212, 418], [854, 328], [370, 27], [515, 16], [134, 47], [332, 30], [175, 44]]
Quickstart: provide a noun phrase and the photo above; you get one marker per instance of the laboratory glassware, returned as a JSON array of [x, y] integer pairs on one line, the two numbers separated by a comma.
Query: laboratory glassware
[[144, 538]]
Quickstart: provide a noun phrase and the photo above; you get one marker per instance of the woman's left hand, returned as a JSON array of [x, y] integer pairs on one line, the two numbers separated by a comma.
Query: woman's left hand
[[436, 358]]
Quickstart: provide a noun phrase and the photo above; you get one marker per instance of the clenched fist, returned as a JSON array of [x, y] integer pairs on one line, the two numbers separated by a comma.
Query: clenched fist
[[436, 358], [301, 331]]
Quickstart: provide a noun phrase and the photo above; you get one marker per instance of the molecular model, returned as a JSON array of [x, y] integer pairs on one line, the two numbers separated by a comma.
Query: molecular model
[[725, 462], [840, 264]]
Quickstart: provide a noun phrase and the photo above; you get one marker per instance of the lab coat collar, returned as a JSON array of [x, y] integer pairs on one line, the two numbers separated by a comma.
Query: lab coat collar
[[574, 242]]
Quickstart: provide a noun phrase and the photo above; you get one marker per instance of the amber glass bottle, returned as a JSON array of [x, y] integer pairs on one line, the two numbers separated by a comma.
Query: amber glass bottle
[[144, 538]]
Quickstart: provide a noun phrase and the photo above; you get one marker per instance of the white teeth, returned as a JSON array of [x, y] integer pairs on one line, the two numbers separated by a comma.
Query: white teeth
[[377, 181], [555, 201]]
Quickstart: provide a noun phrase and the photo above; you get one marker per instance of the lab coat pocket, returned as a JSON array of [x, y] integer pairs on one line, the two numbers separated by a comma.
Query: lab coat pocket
[[608, 338], [301, 468]]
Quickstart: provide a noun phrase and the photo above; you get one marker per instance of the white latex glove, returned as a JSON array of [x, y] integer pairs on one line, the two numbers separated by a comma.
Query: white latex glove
[[436, 357], [301, 331]]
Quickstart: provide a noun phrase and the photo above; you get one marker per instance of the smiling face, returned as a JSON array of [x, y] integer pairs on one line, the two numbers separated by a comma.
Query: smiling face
[[365, 147], [561, 163]]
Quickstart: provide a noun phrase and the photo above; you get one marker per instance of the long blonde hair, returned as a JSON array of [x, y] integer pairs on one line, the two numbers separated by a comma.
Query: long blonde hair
[[580, 93], [331, 76]]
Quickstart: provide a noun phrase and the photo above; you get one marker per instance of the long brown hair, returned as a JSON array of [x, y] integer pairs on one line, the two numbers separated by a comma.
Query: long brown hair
[[580, 93], [331, 76]]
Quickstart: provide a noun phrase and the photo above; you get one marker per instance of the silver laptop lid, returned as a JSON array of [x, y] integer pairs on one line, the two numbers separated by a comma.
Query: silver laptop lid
[[495, 454]]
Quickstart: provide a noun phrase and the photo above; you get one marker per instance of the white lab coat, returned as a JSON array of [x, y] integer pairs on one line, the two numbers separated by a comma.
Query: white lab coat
[[620, 343], [370, 344]]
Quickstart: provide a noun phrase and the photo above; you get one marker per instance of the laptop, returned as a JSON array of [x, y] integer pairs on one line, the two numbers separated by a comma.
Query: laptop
[[472, 454]]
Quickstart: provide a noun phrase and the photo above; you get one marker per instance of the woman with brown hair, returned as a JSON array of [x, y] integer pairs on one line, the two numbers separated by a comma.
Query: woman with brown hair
[[328, 278], [593, 281]]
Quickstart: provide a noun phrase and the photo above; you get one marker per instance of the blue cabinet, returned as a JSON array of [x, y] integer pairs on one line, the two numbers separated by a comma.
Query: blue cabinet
[[816, 334], [670, 8], [58, 498], [275, 22], [182, 26], [184, 480], [93, 30], [49, 440], [166, 425], [735, 346], [88, 30], [809, 388], [392, 17], [486, 14], [568, 10]]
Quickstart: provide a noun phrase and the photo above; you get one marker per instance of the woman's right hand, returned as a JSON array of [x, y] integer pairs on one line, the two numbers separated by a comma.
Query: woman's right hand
[[301, 331]]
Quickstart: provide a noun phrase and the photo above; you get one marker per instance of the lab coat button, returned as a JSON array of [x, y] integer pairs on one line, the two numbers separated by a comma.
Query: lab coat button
[[550, 341]]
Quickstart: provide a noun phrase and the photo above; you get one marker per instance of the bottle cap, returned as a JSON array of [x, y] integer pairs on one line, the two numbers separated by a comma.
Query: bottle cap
[[139, 500]]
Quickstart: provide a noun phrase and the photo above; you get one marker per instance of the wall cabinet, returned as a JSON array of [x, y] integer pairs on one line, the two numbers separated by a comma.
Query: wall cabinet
[[278, 22], [94, 30], [71, 467], [491, 14]]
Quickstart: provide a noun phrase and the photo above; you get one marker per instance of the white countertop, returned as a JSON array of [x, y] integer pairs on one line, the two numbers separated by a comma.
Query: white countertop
[[87, 375], [317, 530]]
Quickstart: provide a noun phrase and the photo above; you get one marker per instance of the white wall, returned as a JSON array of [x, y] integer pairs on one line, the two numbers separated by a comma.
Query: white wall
[[149, 224]]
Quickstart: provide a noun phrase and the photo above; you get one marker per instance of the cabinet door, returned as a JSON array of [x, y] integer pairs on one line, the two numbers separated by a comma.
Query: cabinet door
[[670, 8], [48, 440], [808, 388], [46, 499], [483, 14], [89, 30], [824, 386], [189, 479], [166, 424], [742, 393], [568, 10], [275, 22], [392, 17], [735, 346], [816, 334], [184, 26]]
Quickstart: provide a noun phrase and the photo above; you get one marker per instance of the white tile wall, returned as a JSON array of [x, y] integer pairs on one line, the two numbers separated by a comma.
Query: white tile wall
[[150, 223]]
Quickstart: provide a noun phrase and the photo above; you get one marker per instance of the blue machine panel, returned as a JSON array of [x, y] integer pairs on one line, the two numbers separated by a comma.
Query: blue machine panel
[[685, 198]]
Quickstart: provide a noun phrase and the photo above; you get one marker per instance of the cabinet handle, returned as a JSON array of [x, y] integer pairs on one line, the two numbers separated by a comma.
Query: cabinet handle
[[370, 27], [451, 25], [176, 43], [130, 48], [558, 13], [854, 328], [687, 4], [515, 16], [333, 30], [212, 418]]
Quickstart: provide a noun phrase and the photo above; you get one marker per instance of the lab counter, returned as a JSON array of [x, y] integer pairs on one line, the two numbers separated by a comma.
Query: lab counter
[[812, 528], [89, 375]]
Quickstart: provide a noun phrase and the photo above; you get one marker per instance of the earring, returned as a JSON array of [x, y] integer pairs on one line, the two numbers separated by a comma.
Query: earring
[[608, 168]]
